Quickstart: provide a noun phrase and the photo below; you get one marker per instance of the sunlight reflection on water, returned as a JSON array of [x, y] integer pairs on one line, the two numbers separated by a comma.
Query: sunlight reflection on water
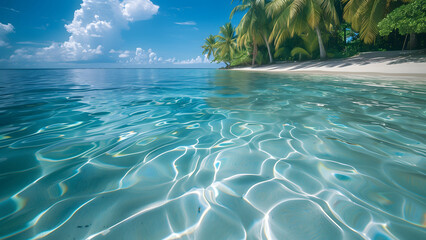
[[208, 154]]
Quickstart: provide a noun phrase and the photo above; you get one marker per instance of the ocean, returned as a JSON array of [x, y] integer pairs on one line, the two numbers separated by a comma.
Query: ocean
[[210, 154]]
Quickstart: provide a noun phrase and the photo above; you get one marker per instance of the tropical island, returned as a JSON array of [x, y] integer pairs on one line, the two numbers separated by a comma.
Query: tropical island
[[352, 35]]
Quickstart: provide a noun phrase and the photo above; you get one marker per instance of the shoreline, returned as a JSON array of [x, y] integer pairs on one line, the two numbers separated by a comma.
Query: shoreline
[[395, 63]]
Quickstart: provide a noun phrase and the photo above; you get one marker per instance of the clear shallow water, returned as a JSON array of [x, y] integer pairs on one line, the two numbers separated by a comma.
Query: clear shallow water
[[206, 154]]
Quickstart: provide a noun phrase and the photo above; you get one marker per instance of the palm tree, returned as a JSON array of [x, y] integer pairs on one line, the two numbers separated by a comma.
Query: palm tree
[[365, 15], [310, 44], [253, 26], [301, 16], [209, 46], [226, 44]]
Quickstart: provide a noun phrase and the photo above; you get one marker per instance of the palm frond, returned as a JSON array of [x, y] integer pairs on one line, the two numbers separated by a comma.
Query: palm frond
[[297, 6], [299, 50], [369, 14], [239, 8]]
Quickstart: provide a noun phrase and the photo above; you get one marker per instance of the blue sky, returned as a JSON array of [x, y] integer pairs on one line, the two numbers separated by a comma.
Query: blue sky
[[108, 33]]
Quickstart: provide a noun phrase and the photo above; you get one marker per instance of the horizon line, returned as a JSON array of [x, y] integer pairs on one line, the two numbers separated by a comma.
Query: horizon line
[[64, 68]]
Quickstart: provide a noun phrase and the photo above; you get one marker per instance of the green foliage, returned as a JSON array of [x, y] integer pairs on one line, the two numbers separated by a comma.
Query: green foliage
[[298, 17], [296, 27], [242, 57], [300, 51], [410, 18], [209, 46], [253, 27], [226, 44], [280, 52], [310, 41], [365, 15], [262, 58]]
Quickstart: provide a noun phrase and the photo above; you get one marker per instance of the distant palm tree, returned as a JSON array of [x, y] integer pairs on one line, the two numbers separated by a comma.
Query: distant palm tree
[[253, 27], [226, 44], [365, 15], [301, 16], [209, 46]]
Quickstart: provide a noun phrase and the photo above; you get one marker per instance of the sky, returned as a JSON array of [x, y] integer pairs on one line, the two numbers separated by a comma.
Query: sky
[[109, 33]]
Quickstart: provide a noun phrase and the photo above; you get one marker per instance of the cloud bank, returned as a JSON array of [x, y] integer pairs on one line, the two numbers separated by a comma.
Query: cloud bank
[[94, 31], [95, 37], [139, 56], [4, 30], [197, 60]]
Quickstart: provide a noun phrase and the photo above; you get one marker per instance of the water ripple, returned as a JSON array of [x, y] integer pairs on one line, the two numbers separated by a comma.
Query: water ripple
[[206, 154]]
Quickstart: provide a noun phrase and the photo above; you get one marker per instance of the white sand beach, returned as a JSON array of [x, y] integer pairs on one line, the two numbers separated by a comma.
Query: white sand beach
[[390, 62]]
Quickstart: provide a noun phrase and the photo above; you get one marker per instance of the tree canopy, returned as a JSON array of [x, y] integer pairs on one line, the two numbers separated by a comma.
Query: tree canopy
[[289, 30], [253, 27], [226, 44], [410, 18], [209, 46]]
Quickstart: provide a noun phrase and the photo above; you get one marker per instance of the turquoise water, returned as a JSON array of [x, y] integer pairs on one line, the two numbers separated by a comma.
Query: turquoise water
[[209, 154]]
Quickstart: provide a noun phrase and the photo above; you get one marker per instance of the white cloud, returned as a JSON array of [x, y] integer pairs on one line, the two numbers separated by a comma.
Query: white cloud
[[189, 23], [3, 43], [206, 59], [94, 31], [191, 61], [10, 9], [4, 30], [197, 60], [136, 10], [142, 56], [139, 56], [125, 54], [170, 60]]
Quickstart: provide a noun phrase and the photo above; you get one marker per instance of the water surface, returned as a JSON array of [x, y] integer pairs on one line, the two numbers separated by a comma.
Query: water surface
[[209, 154]]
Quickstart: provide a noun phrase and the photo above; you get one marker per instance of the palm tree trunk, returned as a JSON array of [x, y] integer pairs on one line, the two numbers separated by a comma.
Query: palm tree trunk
[[269, 49], [323, 53], [254, 52], [403, 46]]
